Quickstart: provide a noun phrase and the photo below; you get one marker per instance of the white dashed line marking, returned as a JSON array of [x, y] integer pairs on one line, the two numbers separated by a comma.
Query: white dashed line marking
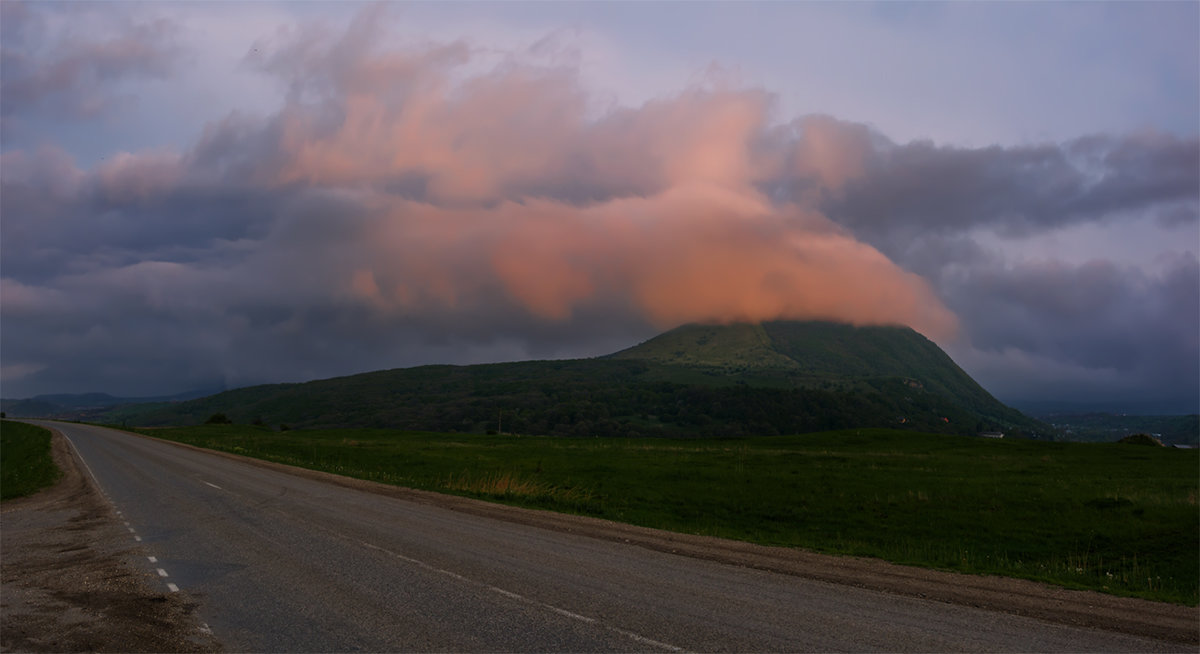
[[506, 593], [569, 614], [647, 641], [162, 573], [514, 596], [204, 628]]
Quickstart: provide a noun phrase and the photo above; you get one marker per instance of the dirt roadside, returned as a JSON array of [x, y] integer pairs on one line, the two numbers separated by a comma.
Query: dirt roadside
[[65, 572], [66, 581]]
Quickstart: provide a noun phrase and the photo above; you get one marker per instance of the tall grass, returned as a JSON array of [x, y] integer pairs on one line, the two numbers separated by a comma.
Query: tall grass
[[1109, 517], [26, 465]]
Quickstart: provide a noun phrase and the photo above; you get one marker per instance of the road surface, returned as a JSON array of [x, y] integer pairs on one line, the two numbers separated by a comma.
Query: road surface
[[282, 562]]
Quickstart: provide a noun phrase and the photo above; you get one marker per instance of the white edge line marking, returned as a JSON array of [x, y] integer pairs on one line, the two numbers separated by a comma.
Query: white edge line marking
[[162, 573], [623, 632], [569, 614], [507, 593], [648, 641], [213, 485], [131, 530], [138, 538], [85, 463], [152, 559], [205, 629]]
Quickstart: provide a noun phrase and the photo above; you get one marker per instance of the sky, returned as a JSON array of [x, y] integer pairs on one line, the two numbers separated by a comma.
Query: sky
[[214, 195]]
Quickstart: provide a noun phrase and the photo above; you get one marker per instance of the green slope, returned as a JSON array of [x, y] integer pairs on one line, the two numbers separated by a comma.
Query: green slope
[[822, 355], [773, 378], [734, 348]]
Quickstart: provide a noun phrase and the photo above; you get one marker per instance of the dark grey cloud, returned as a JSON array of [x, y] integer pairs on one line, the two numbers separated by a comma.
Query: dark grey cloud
[[1099, 332], [923, 188]]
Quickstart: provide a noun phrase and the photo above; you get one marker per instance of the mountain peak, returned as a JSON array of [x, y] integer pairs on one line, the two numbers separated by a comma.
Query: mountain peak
[[814, 347], [817, 354]]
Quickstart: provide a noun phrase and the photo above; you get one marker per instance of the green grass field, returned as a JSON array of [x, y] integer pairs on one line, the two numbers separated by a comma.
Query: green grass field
[[25, 462], [1116, 518]]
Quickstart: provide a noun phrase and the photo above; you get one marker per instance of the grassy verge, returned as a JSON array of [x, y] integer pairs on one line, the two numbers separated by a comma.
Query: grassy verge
[[1109, 517], [25, 462]]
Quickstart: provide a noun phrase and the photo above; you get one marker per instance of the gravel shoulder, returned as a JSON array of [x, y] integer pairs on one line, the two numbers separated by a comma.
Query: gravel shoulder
[[67, 583]]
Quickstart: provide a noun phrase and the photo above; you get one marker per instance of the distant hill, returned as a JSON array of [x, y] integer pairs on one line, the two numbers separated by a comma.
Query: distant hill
[[81, 405], [734, 380], [1109, 427]]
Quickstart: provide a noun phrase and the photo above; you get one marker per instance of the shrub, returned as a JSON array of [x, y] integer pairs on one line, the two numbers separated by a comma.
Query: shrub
[[1141, 439]]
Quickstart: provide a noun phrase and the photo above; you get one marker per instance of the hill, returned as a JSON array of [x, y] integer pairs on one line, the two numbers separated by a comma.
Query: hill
[[1108, 427], [81, 405], [697, 380], [821, 355]]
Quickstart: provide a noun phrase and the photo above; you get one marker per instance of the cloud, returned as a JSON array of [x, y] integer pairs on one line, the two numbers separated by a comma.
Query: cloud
[[72, 72], [1136, 332], [938, 211], [436, 203], [501, 183], [693, 253], [920, 188]]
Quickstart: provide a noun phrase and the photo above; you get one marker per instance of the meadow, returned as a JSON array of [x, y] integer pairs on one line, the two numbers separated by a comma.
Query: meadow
[[26, 465], [1111, 517]]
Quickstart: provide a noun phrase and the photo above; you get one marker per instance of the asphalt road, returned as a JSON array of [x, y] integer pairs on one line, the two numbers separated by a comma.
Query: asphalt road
[[279, 562]]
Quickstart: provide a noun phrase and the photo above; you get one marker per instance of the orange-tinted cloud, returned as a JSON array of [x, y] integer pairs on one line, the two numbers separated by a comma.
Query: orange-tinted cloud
[[502, 186], [694, 253]]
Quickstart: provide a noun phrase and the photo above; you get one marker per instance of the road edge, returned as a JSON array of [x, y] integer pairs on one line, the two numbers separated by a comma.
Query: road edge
[[71, 584], [1055, 604]]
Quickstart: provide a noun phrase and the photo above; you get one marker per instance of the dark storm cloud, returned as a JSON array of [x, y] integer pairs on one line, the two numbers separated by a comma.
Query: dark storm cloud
[[130, 208], [923, 188], [1134, 329]]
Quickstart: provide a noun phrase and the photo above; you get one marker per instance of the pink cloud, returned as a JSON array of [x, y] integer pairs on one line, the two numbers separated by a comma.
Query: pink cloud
[[49, 167], [514, 192], [498, 191], [131, 177], [694, 253]]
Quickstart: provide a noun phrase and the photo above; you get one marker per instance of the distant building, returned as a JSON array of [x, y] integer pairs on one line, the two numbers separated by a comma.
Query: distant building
[[992, 434]]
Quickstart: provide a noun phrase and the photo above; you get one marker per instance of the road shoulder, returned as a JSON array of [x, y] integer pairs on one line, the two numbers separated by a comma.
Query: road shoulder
[[66, 584]]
